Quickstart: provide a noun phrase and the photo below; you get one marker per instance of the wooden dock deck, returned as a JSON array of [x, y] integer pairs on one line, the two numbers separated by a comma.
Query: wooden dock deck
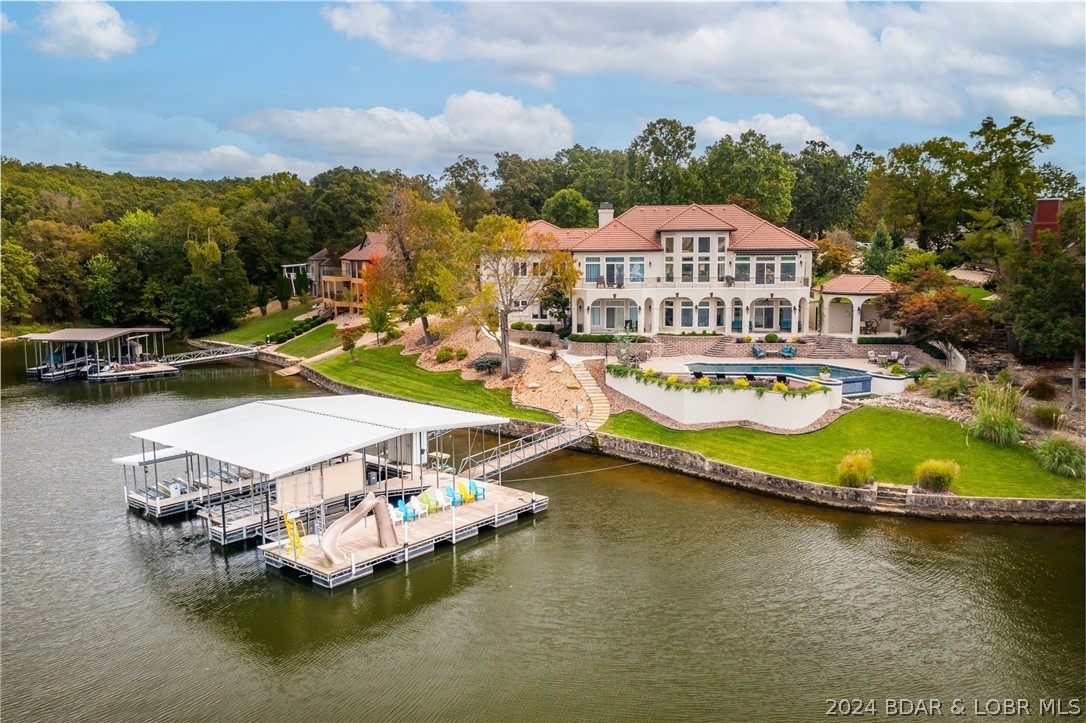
[[128, 372], [502, 506]]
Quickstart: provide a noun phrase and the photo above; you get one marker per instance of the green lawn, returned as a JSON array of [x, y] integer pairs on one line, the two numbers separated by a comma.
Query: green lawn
[[256, 329], [977, 294], [899, 441], [311, 343], [384, 369]]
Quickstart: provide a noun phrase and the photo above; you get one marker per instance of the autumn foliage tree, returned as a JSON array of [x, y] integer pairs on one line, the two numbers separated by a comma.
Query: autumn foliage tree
[[933, 311], [382, 296]]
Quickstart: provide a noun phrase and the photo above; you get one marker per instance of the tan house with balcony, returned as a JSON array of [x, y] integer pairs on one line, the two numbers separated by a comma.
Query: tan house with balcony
[[343, 292], [685, 269]]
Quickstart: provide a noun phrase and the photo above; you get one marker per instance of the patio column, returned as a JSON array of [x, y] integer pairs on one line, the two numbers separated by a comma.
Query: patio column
[[856, 321]]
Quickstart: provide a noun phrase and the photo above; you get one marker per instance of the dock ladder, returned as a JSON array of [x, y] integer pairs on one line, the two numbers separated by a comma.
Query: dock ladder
[[293, 534]]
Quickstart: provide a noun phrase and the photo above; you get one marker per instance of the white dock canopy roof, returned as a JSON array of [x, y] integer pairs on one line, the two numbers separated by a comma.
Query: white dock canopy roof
[[280, 436]]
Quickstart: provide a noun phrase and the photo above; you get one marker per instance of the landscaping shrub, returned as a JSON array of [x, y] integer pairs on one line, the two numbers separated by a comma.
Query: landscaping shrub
[[544, 327], [461, 353], [393, 333], [545, 343], [1041, 388], [444, 354], [703, 382], [881, 340], [741, 382], [534, 342], [925, 370], [937, 475], [1060, 455], [517, 326], [747, 339], [855, 468], [604, 338], [997, 414], [949, 385], [672, 379], [281, 337], [487, 363], [780, 387], [771, 338], [931, 350], [813, 385], [1048, 415], [897, 369], [523, 340]]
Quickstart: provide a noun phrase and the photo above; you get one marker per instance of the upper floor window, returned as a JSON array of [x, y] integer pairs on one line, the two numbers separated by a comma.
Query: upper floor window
[[520, 268], [669, 244], [592, 268], [637, 268], [704, 244], [764, 268], [721, 244], [788, 268], [742, 268]]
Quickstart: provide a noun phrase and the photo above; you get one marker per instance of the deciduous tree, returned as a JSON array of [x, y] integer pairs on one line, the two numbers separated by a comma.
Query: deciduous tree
[[750, 172], [569, 209], [381, 297], [657, 164], [18, 278]]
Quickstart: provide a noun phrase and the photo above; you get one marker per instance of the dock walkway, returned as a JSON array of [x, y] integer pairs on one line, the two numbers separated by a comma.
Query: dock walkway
[[502, 506]]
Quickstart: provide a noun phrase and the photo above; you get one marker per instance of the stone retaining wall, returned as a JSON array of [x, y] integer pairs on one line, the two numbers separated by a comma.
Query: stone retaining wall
[[944, 507], [540, 336]]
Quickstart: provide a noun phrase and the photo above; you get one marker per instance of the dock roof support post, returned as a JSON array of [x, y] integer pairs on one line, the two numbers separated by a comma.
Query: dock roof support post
[[222, 509], [499, 460], [321, 529]]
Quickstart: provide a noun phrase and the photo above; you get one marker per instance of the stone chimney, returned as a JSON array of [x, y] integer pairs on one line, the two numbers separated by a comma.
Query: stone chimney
[[607, 214]]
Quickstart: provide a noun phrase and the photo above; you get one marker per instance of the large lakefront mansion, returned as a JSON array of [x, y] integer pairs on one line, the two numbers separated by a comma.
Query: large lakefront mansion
[[675, 269], [666, 270]]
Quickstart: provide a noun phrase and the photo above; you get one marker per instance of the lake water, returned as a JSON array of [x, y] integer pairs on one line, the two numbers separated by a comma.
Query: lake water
[[640, 595]]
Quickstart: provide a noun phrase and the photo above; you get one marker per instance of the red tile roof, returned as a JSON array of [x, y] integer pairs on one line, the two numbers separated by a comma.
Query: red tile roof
[[639, 229], [567, 237], [857, 284]]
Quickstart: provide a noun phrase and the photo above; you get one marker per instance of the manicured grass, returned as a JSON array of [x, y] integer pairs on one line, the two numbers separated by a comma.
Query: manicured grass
[[256, 329], [311, 343], [977, 294], [899, 441], [384, 369]]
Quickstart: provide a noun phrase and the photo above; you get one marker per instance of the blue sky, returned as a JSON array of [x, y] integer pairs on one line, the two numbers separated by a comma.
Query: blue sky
[[210, 89]]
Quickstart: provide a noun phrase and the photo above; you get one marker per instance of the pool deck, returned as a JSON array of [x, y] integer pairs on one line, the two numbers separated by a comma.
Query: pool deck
[[678, 364]]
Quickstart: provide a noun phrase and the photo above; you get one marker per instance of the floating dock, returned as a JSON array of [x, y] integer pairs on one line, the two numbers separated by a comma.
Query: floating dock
[[502, 506]]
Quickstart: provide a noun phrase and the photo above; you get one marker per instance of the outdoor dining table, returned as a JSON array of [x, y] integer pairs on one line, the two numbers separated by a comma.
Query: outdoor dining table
[[882, 358]]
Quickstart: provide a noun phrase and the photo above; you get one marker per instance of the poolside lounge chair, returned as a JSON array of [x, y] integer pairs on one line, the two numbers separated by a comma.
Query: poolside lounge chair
[[478, 491], [758, 353], [750, 377], [871, 358], [904, 360], [698, 375], [788, 352], [465, 492], [455, 497], [431, 504]]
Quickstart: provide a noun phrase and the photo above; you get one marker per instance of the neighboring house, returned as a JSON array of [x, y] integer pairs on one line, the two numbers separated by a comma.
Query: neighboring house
[[316, 267], [342, 288], [685, 269], [848, 307]]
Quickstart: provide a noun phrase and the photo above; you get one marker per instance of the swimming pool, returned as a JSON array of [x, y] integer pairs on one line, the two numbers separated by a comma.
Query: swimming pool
[[803, 370]]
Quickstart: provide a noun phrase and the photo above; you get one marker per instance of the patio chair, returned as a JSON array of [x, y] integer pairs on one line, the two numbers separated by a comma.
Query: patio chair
[[758, 353], [871, 358], [729, 280], [431, 504], [407, 512], [455, 497], [893, 357], [465, 492], [420, 509], [904, 360], [477, 490], [437, 496], [788, 352], [394, 513], [698, 375]]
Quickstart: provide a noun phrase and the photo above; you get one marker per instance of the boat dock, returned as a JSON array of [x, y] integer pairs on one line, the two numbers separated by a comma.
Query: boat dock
[[103, 354], [501, 506]]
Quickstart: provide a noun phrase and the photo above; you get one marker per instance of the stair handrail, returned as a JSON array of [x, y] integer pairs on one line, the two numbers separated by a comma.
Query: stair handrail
[[519, 448]]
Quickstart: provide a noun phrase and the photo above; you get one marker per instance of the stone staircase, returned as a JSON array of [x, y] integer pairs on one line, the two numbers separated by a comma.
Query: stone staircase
[[601, 408], [890, 497], [719, 348], [664, 347], [830, 347]]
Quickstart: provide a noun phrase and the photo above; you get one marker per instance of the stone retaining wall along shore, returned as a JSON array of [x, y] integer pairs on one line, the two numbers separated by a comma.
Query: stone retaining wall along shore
[[942, 507]]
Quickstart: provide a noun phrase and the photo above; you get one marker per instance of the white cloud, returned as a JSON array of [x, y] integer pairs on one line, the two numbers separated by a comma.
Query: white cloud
[[7, 25], [474, 123], [87, 30], [792, 131], [226, 161], [931, 62]]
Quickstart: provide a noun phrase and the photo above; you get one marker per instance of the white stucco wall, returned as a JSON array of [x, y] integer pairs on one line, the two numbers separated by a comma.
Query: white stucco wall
[[689, 407], [888, 384]]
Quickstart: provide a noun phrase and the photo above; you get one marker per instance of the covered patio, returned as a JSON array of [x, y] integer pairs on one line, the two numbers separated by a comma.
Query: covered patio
[[848, 307]]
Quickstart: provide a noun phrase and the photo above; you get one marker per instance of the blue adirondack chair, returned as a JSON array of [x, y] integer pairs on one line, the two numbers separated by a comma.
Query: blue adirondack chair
[[479, 492], [758, 353], [408, 513], [455, 497]]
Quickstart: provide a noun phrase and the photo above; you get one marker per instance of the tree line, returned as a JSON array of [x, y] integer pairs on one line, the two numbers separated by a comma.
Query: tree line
[[80, 244]]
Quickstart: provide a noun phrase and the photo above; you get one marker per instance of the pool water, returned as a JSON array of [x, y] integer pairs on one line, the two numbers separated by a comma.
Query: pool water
[[803, 370]]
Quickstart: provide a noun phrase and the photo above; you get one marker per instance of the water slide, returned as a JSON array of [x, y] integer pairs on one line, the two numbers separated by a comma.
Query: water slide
[[386, 531]]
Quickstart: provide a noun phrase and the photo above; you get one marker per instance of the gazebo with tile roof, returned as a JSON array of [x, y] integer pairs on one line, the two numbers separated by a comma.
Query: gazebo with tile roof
[[847, 309]]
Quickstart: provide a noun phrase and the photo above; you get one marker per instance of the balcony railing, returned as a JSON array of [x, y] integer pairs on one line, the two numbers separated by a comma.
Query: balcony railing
[[691, 283]]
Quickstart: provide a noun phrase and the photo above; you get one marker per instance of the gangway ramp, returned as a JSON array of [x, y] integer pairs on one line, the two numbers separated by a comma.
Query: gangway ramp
[[489, 464], [233, 351]]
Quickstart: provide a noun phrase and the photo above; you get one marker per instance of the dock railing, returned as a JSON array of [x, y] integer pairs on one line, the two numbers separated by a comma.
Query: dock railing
[[488, 464]]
